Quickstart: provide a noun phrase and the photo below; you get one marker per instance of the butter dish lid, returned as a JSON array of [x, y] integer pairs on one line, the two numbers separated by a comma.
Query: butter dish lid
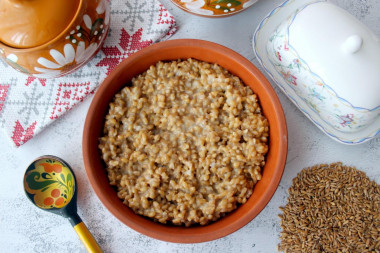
[[341, 50], [284, 56], [31, 23]]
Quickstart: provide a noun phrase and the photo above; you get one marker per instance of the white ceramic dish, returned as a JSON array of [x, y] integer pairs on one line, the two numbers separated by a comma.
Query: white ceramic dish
[[260, 40]]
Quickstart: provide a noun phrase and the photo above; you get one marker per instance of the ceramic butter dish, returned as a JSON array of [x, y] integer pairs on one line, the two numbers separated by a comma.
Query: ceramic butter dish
[[328, 63]]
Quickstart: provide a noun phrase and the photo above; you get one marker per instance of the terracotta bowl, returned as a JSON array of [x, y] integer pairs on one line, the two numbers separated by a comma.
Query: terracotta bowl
[[237, 65], [56, 43], [207, 8]]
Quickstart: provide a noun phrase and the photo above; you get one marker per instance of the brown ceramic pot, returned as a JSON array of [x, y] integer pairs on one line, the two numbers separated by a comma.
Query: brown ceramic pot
[[204, 51], [46, 38]]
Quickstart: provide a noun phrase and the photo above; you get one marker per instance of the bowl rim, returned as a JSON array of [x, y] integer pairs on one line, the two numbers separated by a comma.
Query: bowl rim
[[201, 233]]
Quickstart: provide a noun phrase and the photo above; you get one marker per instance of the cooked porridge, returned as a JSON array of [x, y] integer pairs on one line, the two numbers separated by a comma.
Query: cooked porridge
[[184, 143]]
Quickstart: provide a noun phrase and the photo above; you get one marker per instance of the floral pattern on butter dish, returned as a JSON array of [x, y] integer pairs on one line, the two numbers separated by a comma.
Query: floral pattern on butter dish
[[289, 77], [347, 120], [319, 96]]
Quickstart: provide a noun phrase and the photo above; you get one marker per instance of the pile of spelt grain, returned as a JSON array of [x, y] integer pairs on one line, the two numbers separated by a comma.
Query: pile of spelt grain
[[331, 208]]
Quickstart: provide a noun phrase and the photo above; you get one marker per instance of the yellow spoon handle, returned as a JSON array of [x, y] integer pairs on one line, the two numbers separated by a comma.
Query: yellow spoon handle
[[87, 239]]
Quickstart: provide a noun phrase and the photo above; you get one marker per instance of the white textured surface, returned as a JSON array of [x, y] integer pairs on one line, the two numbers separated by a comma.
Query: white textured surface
[[24, 228]]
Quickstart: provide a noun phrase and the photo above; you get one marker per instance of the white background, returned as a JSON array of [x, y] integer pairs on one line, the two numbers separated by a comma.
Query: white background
[[25, 228]]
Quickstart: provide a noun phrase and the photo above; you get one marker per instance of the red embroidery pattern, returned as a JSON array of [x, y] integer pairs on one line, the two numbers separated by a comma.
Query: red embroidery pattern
[[166, 18], [68, 95], [3, 95], [128, 45], [30, 79], [20, 135]]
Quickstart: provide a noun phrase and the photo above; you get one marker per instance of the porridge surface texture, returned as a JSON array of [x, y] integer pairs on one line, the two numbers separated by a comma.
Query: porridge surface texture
[[185, 142]]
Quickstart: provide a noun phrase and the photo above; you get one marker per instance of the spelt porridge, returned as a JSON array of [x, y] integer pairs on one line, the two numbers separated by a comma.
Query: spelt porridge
[[185, 142]]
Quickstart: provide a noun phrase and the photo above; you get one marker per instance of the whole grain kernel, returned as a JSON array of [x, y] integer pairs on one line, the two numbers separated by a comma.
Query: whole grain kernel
[[331, 208]]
